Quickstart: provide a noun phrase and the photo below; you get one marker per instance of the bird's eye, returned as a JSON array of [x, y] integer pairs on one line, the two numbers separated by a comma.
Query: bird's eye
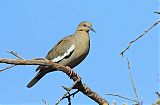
[[84, 25]]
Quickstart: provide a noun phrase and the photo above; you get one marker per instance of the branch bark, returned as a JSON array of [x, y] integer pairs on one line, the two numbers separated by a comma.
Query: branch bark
[[81, 87]]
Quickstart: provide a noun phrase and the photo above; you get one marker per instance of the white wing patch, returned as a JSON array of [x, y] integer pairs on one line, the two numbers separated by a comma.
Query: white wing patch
[[65, 54]]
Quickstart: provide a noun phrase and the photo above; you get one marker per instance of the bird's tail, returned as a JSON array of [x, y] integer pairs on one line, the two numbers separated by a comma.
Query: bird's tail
[[36, 79]]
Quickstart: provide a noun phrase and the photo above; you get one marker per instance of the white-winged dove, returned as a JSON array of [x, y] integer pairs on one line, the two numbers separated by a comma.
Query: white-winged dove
[[70, 51]]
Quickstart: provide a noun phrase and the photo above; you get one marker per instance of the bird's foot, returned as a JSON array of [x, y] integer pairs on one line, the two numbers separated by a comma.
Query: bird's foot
[[73, 73]]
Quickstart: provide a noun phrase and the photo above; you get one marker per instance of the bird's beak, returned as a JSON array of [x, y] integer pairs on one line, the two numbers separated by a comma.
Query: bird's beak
[[92, 30]]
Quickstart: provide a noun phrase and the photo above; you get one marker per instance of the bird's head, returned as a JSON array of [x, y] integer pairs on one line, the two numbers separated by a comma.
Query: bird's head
[[85, 26]]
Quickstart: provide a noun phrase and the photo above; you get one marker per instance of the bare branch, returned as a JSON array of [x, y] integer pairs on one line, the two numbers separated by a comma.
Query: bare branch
[[69, 96], [132, 82], [15, 54], [68, 90], [146, 31], [73, 94], [157, 13], [8, 67], [157, 94], [45, 102], [122, 97], [81, 87]]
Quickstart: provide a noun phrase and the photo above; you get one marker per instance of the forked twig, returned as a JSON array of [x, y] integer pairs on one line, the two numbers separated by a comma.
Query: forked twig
[[68, 90], [69, 96], [15, 54], [72, 94]]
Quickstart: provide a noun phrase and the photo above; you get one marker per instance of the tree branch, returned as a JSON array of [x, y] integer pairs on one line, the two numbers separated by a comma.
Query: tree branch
[[158, 94], [81, 87], [8, 67], [132, 82], [123, 97], [157, 12], [45, 102], [68, 90], [15, 54], [146, 31]]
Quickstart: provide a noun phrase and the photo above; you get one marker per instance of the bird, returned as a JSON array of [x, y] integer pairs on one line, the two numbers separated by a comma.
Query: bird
[[69, 51]]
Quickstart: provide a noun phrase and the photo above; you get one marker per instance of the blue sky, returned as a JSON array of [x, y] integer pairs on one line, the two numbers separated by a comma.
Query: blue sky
[[32, 27]]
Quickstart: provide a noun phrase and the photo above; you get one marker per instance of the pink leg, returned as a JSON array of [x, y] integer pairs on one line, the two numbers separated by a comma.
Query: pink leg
[[72, 72]]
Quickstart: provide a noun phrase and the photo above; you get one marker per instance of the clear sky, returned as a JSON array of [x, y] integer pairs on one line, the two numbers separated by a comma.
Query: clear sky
[[32, 27]]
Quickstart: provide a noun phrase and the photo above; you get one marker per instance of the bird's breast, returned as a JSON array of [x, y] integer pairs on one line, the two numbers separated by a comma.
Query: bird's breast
[[82, 46]]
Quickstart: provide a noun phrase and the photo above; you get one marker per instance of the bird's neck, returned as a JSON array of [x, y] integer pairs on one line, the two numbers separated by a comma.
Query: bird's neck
[[83, 35], [82, 32]]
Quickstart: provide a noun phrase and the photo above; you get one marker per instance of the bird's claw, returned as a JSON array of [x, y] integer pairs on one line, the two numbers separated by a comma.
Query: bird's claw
[[72, 73]]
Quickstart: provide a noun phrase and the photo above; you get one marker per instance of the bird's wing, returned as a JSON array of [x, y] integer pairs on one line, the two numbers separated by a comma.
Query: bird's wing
[[63, 49]]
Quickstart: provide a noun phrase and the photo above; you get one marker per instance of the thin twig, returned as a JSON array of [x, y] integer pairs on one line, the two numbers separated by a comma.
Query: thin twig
[[68, 90], [69, 96], [72, 94], [157, 94], [15, 54], [45, 102], [132, 82], [157, 13], [8, 67], [122, 53], [122, 97]]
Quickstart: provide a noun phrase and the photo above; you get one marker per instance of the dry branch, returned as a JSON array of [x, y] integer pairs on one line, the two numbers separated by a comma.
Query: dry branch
[[146, 31], [158, 94], [81, 87], [157, 12], [8, 67], [45, 102], [122, 97], [132, 82], [68, 90], [15, 54]]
